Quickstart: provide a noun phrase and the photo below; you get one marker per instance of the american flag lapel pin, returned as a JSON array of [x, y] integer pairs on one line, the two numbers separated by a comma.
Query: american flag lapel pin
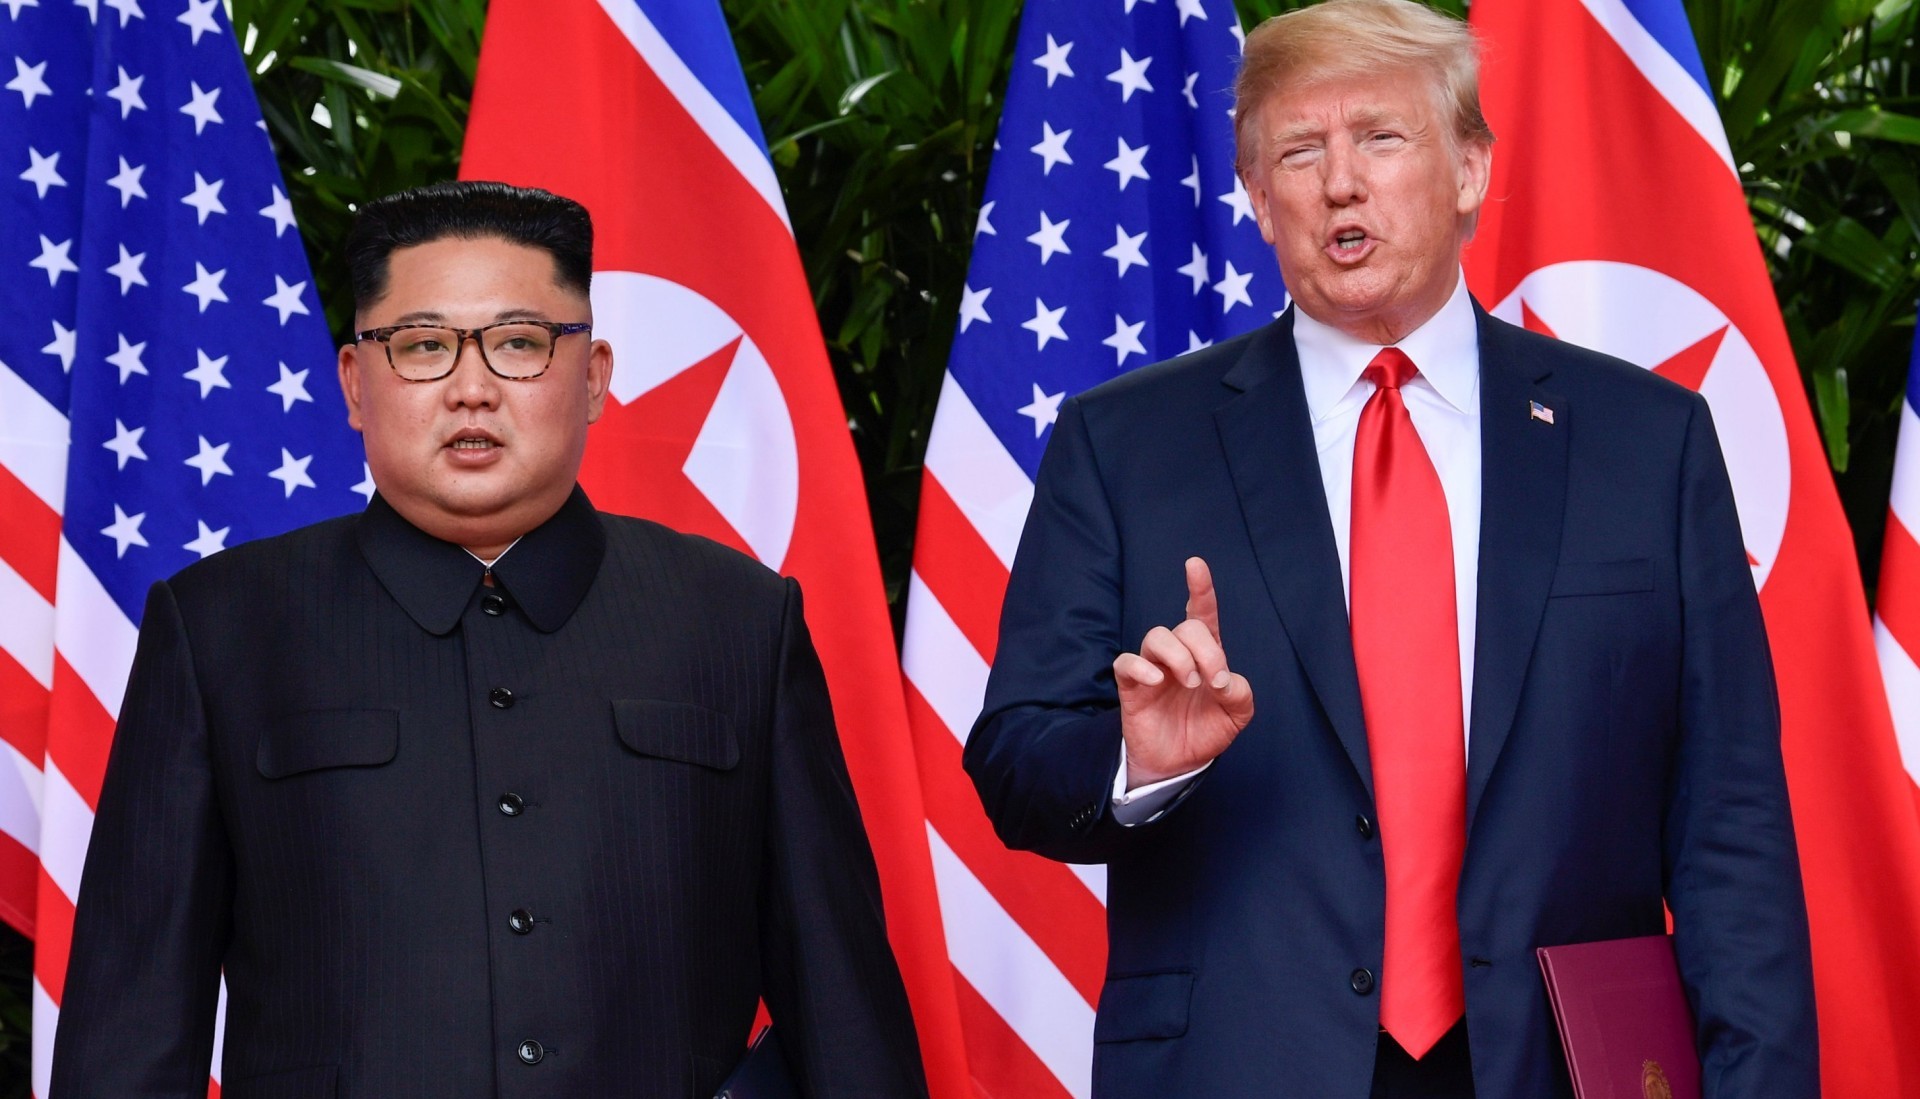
[[1541, 412]]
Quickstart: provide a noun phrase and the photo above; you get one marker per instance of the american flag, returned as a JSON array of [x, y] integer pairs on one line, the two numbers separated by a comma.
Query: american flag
[[166, 391], [1896, 624], [1114, 234]]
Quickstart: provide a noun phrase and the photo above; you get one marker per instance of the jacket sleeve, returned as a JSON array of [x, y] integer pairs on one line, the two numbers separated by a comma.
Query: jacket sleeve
[[154, 911], [1046, 748], [1733, 878], [828, 975]]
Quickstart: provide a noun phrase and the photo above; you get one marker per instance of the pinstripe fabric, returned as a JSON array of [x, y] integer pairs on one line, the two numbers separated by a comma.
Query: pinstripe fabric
[[306, 788]]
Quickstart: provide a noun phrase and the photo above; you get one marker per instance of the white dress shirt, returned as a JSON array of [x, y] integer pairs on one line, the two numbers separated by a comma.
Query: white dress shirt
[[1443, 401]]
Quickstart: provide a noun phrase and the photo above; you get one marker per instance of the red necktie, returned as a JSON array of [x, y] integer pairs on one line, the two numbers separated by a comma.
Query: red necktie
[[1406, 647]]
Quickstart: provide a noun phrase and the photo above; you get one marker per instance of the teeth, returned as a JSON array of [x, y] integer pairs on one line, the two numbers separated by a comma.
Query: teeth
[[1350, 241], [472, 444]]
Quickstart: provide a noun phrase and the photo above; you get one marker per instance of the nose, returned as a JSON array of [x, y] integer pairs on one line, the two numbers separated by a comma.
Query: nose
[[1343, 178], [471, 384]]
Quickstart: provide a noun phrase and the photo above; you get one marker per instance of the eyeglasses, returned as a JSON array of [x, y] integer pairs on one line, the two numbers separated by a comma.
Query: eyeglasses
[[516, 350]]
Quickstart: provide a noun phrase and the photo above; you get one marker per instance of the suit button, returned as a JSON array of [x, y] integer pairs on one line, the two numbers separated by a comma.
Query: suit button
[[521, 921], [531, 1051], [495, 605], [1364, 825], [501, 698], [1361, 982], [512, 805]]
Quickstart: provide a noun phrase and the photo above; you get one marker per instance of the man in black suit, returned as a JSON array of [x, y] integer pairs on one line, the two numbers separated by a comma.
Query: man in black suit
[[1498, 674], [480, 792]]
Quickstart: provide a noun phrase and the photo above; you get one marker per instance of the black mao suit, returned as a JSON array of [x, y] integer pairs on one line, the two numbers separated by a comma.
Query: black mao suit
[[1623, 747], [552, 837]]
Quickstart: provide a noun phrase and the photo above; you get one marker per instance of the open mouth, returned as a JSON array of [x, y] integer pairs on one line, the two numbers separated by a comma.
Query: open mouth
[[1349, 240], [473, 440]]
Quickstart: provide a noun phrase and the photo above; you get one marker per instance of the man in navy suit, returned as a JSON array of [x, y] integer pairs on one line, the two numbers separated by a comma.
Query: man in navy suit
[[1498, 675]]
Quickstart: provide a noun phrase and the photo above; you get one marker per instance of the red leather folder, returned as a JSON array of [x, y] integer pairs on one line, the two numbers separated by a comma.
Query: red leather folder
[[1623, 1017]]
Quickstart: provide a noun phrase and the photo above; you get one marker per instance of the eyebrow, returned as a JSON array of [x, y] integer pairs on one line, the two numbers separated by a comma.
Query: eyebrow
[[431, 316]]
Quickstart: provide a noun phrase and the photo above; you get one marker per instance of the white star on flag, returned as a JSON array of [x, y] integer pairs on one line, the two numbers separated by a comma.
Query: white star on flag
[[14, 6], [201, 107], [281, 211], [209, 541], [199, 17], [127, 182], [125, 531], [125, 443], [973, 306], [1127, 165], [65, 344], [1187, 90], [1055, 60], [1126, 250], [1232, 288], [1044, 410], [1238, 200], [211, 461], [205, 198], [128, 9], [293, 471], [1131, 75], [127, 93], [29, 80], [1125, 339], [210, 374], [366, 485], [1190, 9], [982, 225], [127, 270], [1196, 269], [286, 298], [1193, 181], [1052, 148], [1051, 237], [1045, 324], [291, 388], [42, 171], [54, 260], [206, 286], [127, 358]]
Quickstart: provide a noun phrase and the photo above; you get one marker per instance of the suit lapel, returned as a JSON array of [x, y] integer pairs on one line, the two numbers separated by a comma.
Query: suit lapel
[[1523, 478], [1268, 438]]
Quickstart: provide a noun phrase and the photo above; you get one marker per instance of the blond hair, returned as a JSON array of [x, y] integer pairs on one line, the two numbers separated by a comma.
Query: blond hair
[[1353, 38]]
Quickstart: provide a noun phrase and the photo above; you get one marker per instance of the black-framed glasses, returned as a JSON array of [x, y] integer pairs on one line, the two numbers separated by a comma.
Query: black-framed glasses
[[515, 350]]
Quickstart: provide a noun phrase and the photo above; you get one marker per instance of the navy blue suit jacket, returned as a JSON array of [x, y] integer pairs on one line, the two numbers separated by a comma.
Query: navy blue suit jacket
[[1623, 741]]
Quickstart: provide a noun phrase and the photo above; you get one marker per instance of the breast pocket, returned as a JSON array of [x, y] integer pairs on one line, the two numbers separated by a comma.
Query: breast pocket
[[1577, 578], [680, 731], [320, 740]]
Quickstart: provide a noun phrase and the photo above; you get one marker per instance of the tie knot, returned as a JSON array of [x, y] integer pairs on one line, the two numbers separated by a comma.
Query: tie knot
[[1390, 369]]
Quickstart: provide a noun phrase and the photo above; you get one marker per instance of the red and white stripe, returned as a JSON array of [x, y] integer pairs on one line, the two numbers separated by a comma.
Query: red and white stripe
[[1896, 621], [1027, 936]]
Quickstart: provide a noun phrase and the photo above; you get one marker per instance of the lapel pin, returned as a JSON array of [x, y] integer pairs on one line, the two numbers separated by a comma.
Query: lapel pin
[[1541, 412]]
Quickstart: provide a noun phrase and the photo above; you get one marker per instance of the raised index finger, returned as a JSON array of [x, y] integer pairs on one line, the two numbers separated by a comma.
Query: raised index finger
[[1202, 604]]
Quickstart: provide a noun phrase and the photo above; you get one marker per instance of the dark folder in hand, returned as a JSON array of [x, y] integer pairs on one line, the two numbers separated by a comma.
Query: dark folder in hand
[[762, 1074], [1623, 1019]]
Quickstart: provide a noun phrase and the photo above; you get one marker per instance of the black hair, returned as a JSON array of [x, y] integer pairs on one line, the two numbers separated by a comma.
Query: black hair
[[469, 210]]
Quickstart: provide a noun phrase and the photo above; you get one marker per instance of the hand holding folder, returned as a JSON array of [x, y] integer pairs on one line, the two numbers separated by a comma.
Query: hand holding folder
[[1623, 1018]]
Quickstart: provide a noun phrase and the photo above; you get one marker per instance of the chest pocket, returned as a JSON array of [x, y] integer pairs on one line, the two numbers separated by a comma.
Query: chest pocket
[[1602, 577], [677, 730], [320, 739]]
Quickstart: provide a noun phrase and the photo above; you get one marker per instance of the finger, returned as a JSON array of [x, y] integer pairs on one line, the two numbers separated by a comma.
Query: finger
[[1208, 657], [1134, 670], [1168, 651], [1202, 604], [1236, 698]]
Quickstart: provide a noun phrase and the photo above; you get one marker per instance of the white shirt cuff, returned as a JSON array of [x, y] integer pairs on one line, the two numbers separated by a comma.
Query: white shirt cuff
[[1131, 807]]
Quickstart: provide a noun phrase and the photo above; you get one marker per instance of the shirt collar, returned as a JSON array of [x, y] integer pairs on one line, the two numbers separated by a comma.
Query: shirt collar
[[548, 573], [1446, 349]]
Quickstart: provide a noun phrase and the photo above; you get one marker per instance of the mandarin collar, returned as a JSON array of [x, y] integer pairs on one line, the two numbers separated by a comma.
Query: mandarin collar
[[547, 574], [1445, 348]]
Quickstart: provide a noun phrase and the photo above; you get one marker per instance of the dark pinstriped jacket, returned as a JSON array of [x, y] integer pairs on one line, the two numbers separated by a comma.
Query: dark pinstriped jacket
[[552, 837]]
